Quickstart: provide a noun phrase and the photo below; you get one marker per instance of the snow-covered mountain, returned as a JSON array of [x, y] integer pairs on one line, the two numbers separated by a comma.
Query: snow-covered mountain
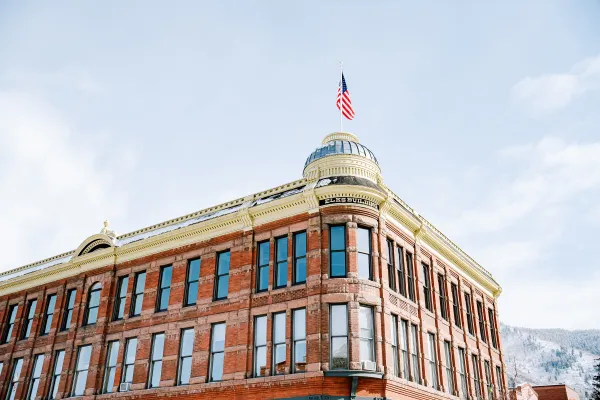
[[551, 356]]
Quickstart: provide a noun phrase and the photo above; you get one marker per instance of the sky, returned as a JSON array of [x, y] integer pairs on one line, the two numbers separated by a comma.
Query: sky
[[483, 116]]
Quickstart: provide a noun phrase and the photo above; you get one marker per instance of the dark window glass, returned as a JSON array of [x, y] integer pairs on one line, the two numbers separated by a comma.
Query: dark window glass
[[156, 359], [410, 276], [93, 303], [26, 328], [404, 349], [299, 340], [401, 272], [281, 262], [480, 317], [433, 372], [119, 310], [48, 314], [264, 249], [13, 384], [68, 315], [414, 353], [164, 288], [367, 334], [390, 265], [363, 238], [338, 326], [129, 360], [59, 358], [81, 370], [394, 342], [456, 305], [260, 345], [469, 307], [337, 251], [299, 257], [186, 350], [462, 362], [36, 372], [427, 287], [139, 284], [192, 279], [222, 281], [217, 352], [449, 374], [442, 296], [476, 378], [279, 346], [10, 323], [110, 368], [493, 331]]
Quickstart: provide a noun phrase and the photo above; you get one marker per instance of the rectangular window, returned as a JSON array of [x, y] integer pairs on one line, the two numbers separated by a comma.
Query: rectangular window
[[217, 352], [111, 366], [338, 326], [493, 332], [456, 305], [488, 380], [299, 340], [499, 381], [129, 360], [48, 314], [260, 345], [281, 262], [299, 257], [59, 358], [449, 374], [367, 334], [26, 329], [427, 287], [404, 348], [156, 359], [400, 267], [337, 251], [410, 276], [442, 296], [433, 372], [390, 264], [164, 288], [139, 284], [414, 351], [186, 350], [469, 307], [36, 372], [191, 282], [11, 315], [81, 370], [480, 317], [462, 362], [394, 340], [119, 311], [476, 379], [93, 305], [363, 246], [279, 346], [222, 283], [264, 250], [13, 383], [69, 305]]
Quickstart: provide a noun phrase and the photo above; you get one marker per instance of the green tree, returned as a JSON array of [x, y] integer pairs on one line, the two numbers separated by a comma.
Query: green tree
[[596, 383]]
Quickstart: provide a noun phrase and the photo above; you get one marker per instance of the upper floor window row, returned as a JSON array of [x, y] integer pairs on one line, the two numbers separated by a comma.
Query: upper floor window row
[[281, 262]]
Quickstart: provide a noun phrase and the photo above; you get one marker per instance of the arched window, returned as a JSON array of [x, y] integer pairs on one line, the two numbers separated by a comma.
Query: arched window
[[93, 303]]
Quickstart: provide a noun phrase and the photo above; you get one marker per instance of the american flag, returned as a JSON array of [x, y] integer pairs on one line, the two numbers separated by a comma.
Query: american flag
[[343, 96]]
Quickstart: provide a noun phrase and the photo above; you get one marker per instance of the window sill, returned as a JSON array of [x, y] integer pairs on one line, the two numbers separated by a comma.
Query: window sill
[[353, 373]]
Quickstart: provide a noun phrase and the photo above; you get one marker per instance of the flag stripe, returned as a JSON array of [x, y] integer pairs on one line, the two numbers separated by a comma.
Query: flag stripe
[[343, 100]]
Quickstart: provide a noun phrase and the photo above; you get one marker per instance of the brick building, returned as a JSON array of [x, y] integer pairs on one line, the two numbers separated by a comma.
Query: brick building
[[544, 392], [328, 287]]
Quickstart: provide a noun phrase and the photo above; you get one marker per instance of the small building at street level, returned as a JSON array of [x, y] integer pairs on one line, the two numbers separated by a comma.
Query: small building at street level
[[329, 287]]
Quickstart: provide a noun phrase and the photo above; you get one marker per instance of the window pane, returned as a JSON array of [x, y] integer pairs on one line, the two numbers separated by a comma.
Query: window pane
[[263, 278], [186, 370], [280, 353], [194, 270], [282, 249], [299, 324], [261, 331], [187, 342], [217, 367], [279, 324], [158, 346], [113, 352], [338, 264], [92, 315], [366, 350], [300, 244], [218, 343], [263, 253], [363, 240], [80, 383], [261, 361], [282, 273], [223, 286], [300, 352], [131, 349], [156, 372], [339, 352], [224, 259], [339, 320], [363, 266], [140, 283], [301, 270], [338, 237], [95, 298], [166, 277], [192, 294], [137, 309], [164, 298]]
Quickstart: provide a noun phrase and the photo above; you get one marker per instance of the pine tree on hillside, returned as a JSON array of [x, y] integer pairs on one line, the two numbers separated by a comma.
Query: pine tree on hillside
[[596, 383]]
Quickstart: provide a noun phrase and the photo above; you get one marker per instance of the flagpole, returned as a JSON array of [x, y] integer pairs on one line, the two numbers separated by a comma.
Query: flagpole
[[341, 95]]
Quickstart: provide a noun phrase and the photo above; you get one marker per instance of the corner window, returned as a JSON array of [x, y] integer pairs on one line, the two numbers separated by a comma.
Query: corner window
[[186, 350], [26, 329], [299, 340], [337, 251], [36, 372], [13, 383], [299, 258], [81, 370], [410, 276], [279, 346], [363, 246], [59, 358], [390, 265], [164, 288], [367, 334], [111, 367], [68, 314], [260, 345], [427, 287], [456, 305], [156, 359], [10, 323], [93, 303], [191, 282], [139, 284], [129, 360], [48, 314], [338, 326], [222, 281], [119, 310], [217, 352], [281, 262]]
